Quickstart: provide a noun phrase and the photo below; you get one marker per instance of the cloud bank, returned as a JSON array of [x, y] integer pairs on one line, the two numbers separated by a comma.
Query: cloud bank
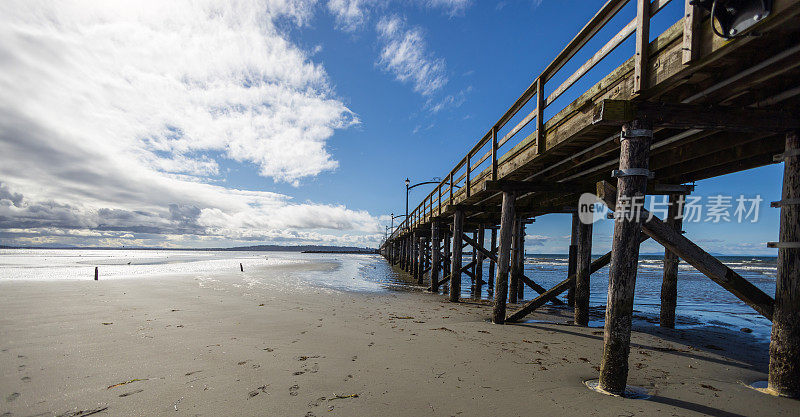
[[115, 118]]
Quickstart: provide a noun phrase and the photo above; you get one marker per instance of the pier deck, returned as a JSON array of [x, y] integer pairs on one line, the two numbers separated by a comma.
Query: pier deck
[[692, 105]]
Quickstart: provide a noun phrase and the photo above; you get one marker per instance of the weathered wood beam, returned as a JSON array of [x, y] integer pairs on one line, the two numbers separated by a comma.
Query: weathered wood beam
[[531, 187], [634, 154], [695, 116], [669, 284], [455, 262], [784, 347], [447, 277], [503, 255], [697, 257]]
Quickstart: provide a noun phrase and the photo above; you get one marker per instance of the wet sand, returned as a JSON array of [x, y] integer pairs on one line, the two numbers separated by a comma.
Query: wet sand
[[182, 346]]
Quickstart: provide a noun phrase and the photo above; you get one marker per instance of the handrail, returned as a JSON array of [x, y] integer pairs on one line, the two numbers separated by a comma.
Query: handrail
[[536, 89]]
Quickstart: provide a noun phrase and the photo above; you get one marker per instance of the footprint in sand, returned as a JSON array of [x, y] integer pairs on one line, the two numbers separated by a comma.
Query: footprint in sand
[[12, 397], [293, 390], [25, 379]]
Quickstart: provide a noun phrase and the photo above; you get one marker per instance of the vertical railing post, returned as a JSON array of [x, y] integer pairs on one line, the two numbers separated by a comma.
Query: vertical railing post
[[469, 171], [494, 153], [451, 188], [691, 23], [642, 45], [540, 137]]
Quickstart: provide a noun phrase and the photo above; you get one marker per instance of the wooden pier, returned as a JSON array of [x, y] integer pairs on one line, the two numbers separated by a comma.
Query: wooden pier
[[687, 106]]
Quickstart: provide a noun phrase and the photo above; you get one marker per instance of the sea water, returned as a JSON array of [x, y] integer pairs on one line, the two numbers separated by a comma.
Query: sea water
[[701, 302]]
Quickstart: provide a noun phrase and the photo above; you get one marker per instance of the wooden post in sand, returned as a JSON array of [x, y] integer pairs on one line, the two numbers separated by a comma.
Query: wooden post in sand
[[415, 255], [572, 257], [492, 263], [241, 268], [583, 264], [784, 346], [447, 258], [669, 285], [474, 261], [436, 243], [503, 254], [513, 286], [632, 182], [455, 263], [421, 263], [480, 237], [518, 258], [96, 273]]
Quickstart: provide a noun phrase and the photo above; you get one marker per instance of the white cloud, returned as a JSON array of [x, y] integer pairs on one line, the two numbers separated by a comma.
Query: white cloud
[[404, 53], [116, 116], [350, 14]]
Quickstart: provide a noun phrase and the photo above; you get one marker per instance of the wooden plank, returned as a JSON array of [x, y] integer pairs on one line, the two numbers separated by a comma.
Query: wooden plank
[[697, 257], [529, 187]]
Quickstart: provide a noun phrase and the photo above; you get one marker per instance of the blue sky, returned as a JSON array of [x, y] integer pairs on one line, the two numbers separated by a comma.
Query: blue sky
[[279, 121]]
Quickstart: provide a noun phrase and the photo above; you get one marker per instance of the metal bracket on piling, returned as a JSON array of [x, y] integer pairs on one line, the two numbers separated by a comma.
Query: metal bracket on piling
[[632, 172], [782, 156], [787, 202], [784, 245]]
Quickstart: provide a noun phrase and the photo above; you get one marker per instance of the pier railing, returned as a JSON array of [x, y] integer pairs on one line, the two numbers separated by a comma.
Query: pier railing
[[482, 160]]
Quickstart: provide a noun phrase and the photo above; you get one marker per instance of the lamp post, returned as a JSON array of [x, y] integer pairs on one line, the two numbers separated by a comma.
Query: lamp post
[[409, 187]]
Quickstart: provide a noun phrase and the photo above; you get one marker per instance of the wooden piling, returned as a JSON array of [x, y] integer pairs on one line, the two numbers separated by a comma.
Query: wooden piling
[[447, 255], [436, 243], [583, 263], [421, 268], [571, 258], [455, 264], [503, 254], [669, 284], [241, 268], [518, 265], [784, 346], [474, 286], [96, 273], [513, 289], [480, 237], [632, 183], [492, 263]]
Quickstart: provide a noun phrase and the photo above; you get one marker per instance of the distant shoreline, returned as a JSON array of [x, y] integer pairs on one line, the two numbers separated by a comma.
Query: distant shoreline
[[260, 248]]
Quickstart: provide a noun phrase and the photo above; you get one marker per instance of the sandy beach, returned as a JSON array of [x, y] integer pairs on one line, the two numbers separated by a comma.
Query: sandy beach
[[180, 345]]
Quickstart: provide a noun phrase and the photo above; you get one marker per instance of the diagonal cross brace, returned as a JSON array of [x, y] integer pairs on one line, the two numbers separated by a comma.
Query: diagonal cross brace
[[696, 256]]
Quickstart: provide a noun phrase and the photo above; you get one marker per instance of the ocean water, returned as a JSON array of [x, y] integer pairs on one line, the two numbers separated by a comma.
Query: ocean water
[[701, 302]]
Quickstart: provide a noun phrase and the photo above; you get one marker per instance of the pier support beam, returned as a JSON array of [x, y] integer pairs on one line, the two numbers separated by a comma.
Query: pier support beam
[[480, 237], [583, 264], [447, 255], [492, 263], [632, 184], [455, 263], [571, 258], [669, 285], [784, 346], [503, 254], [474, 262], [436, 243], [421, 268], [513, 290]]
